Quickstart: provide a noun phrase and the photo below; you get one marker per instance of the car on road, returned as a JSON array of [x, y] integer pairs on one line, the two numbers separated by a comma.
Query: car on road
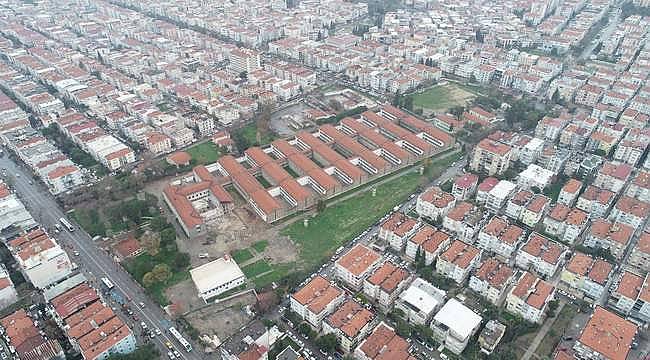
[[177, 354], [158, 332], [168, 344], [171, 355], [141, 304]]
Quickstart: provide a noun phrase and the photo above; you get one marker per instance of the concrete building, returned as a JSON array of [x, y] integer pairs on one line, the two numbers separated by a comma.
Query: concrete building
[[383, 343], [614, 237], [42, 261], [385, 284], [464, 221], [530, 297], [640, 255], [492, 280], [23, 336], [458, 261], [396, 229], [216, 277], [535, 176], [356, 265], [350, 323], [541, 255], [500, 237], [317, 299], [569, 192], [586, 276], [429, 241], [454, 325], [464, 186], [605, 336], [490, 157], [499, 195], [8, 294], [420, 301], [434, 203]]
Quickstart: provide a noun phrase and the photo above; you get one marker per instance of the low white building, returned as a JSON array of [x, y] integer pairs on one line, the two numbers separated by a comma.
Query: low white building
[[499, 195], [454, 325], [420, 301], [8, 294], [217, 277], [535, 176]]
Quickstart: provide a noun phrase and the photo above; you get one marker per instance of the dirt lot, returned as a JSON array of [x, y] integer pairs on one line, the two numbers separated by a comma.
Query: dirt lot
[[223, 319]]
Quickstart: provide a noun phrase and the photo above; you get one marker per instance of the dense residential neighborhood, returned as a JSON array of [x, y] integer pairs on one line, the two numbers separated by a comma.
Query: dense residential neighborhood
[[324, 179]]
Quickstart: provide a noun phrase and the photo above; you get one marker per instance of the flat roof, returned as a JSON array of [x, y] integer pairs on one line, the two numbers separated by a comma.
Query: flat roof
[[458, 317], [220, 271]]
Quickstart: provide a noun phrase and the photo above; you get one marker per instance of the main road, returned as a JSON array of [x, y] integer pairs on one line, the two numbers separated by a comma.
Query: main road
[[92, 260]]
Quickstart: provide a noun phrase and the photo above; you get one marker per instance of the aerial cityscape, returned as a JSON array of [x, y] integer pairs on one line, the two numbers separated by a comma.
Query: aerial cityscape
[[324, 179]]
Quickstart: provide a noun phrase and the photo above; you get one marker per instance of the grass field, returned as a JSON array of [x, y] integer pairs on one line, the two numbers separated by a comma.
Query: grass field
[[257, 268], [260, 246], [441, 97], [246, 137], [242, 255], [341, 222], [204, 153]]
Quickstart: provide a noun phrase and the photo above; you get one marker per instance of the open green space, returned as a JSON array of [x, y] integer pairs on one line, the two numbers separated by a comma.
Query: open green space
[[554, 335], [204, 153], [246, 137], [341, 222], [256, 268], [441, 97], [143, 264], [279, 272], [242, 255], [260, 246]]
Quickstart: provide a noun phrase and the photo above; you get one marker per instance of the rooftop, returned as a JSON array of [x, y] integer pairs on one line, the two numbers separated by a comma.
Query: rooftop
[[608, 334]]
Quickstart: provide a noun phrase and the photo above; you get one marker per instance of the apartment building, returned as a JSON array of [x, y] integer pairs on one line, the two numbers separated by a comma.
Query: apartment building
[[458, 261], [530, 297], [605, 336], [454, 325], [535, 176], [630, 211], [350, 323], [639, 188], [612, 176], [569, 192], [8, 293], [541, 254], [500, 237], [357, 264], [420, 301], [21, 333], [565, 223], [429, 241], [640, 255], [464, 221], [498, 196], [244, 60], [40, 258], [434, 203], [614, 237], [484, 188], [396, 229], [465, 186], [490, 157], [534, 210], [317, 299], [92, 327], [585, 276], [492, 280], [625, 294], [383, 343], [385, 284], [595, 201]]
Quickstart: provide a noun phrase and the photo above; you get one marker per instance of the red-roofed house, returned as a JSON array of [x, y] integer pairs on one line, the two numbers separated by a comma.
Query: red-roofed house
[[458, 261], [530, 297], [491, 280], [586, 276]]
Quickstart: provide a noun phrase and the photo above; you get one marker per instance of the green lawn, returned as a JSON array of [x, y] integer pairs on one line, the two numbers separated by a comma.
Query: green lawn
[[278, 273], [242, 255], [204, 153], [341, 222], [441, 97], [260, 246], [256, 268], [246, 137]]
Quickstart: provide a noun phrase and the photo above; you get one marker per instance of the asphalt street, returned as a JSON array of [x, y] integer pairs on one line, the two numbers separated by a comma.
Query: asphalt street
[[92, 260]]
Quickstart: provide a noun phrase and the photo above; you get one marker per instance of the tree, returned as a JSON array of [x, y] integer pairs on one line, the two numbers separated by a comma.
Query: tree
[[320, 205], [151, 242], [148, 280], [306, 330], [457, 111], [167, 236], [556, 96], [161, 272], [408, 103], [327, 343], [243, 75], [181, 260], [144, 352], [336, 105], [420, 261], [158, 223]]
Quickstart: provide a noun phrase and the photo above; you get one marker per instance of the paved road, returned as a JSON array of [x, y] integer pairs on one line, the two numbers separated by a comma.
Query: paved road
[[92, 260]]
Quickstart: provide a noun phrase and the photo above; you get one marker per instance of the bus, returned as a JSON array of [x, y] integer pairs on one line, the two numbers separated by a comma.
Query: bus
[[107, 283], [67, 224], [180, 339]]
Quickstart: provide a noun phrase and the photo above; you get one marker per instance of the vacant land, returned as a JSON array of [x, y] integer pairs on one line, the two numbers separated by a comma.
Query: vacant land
[[554, 335], [439, 98], [204, 153]]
